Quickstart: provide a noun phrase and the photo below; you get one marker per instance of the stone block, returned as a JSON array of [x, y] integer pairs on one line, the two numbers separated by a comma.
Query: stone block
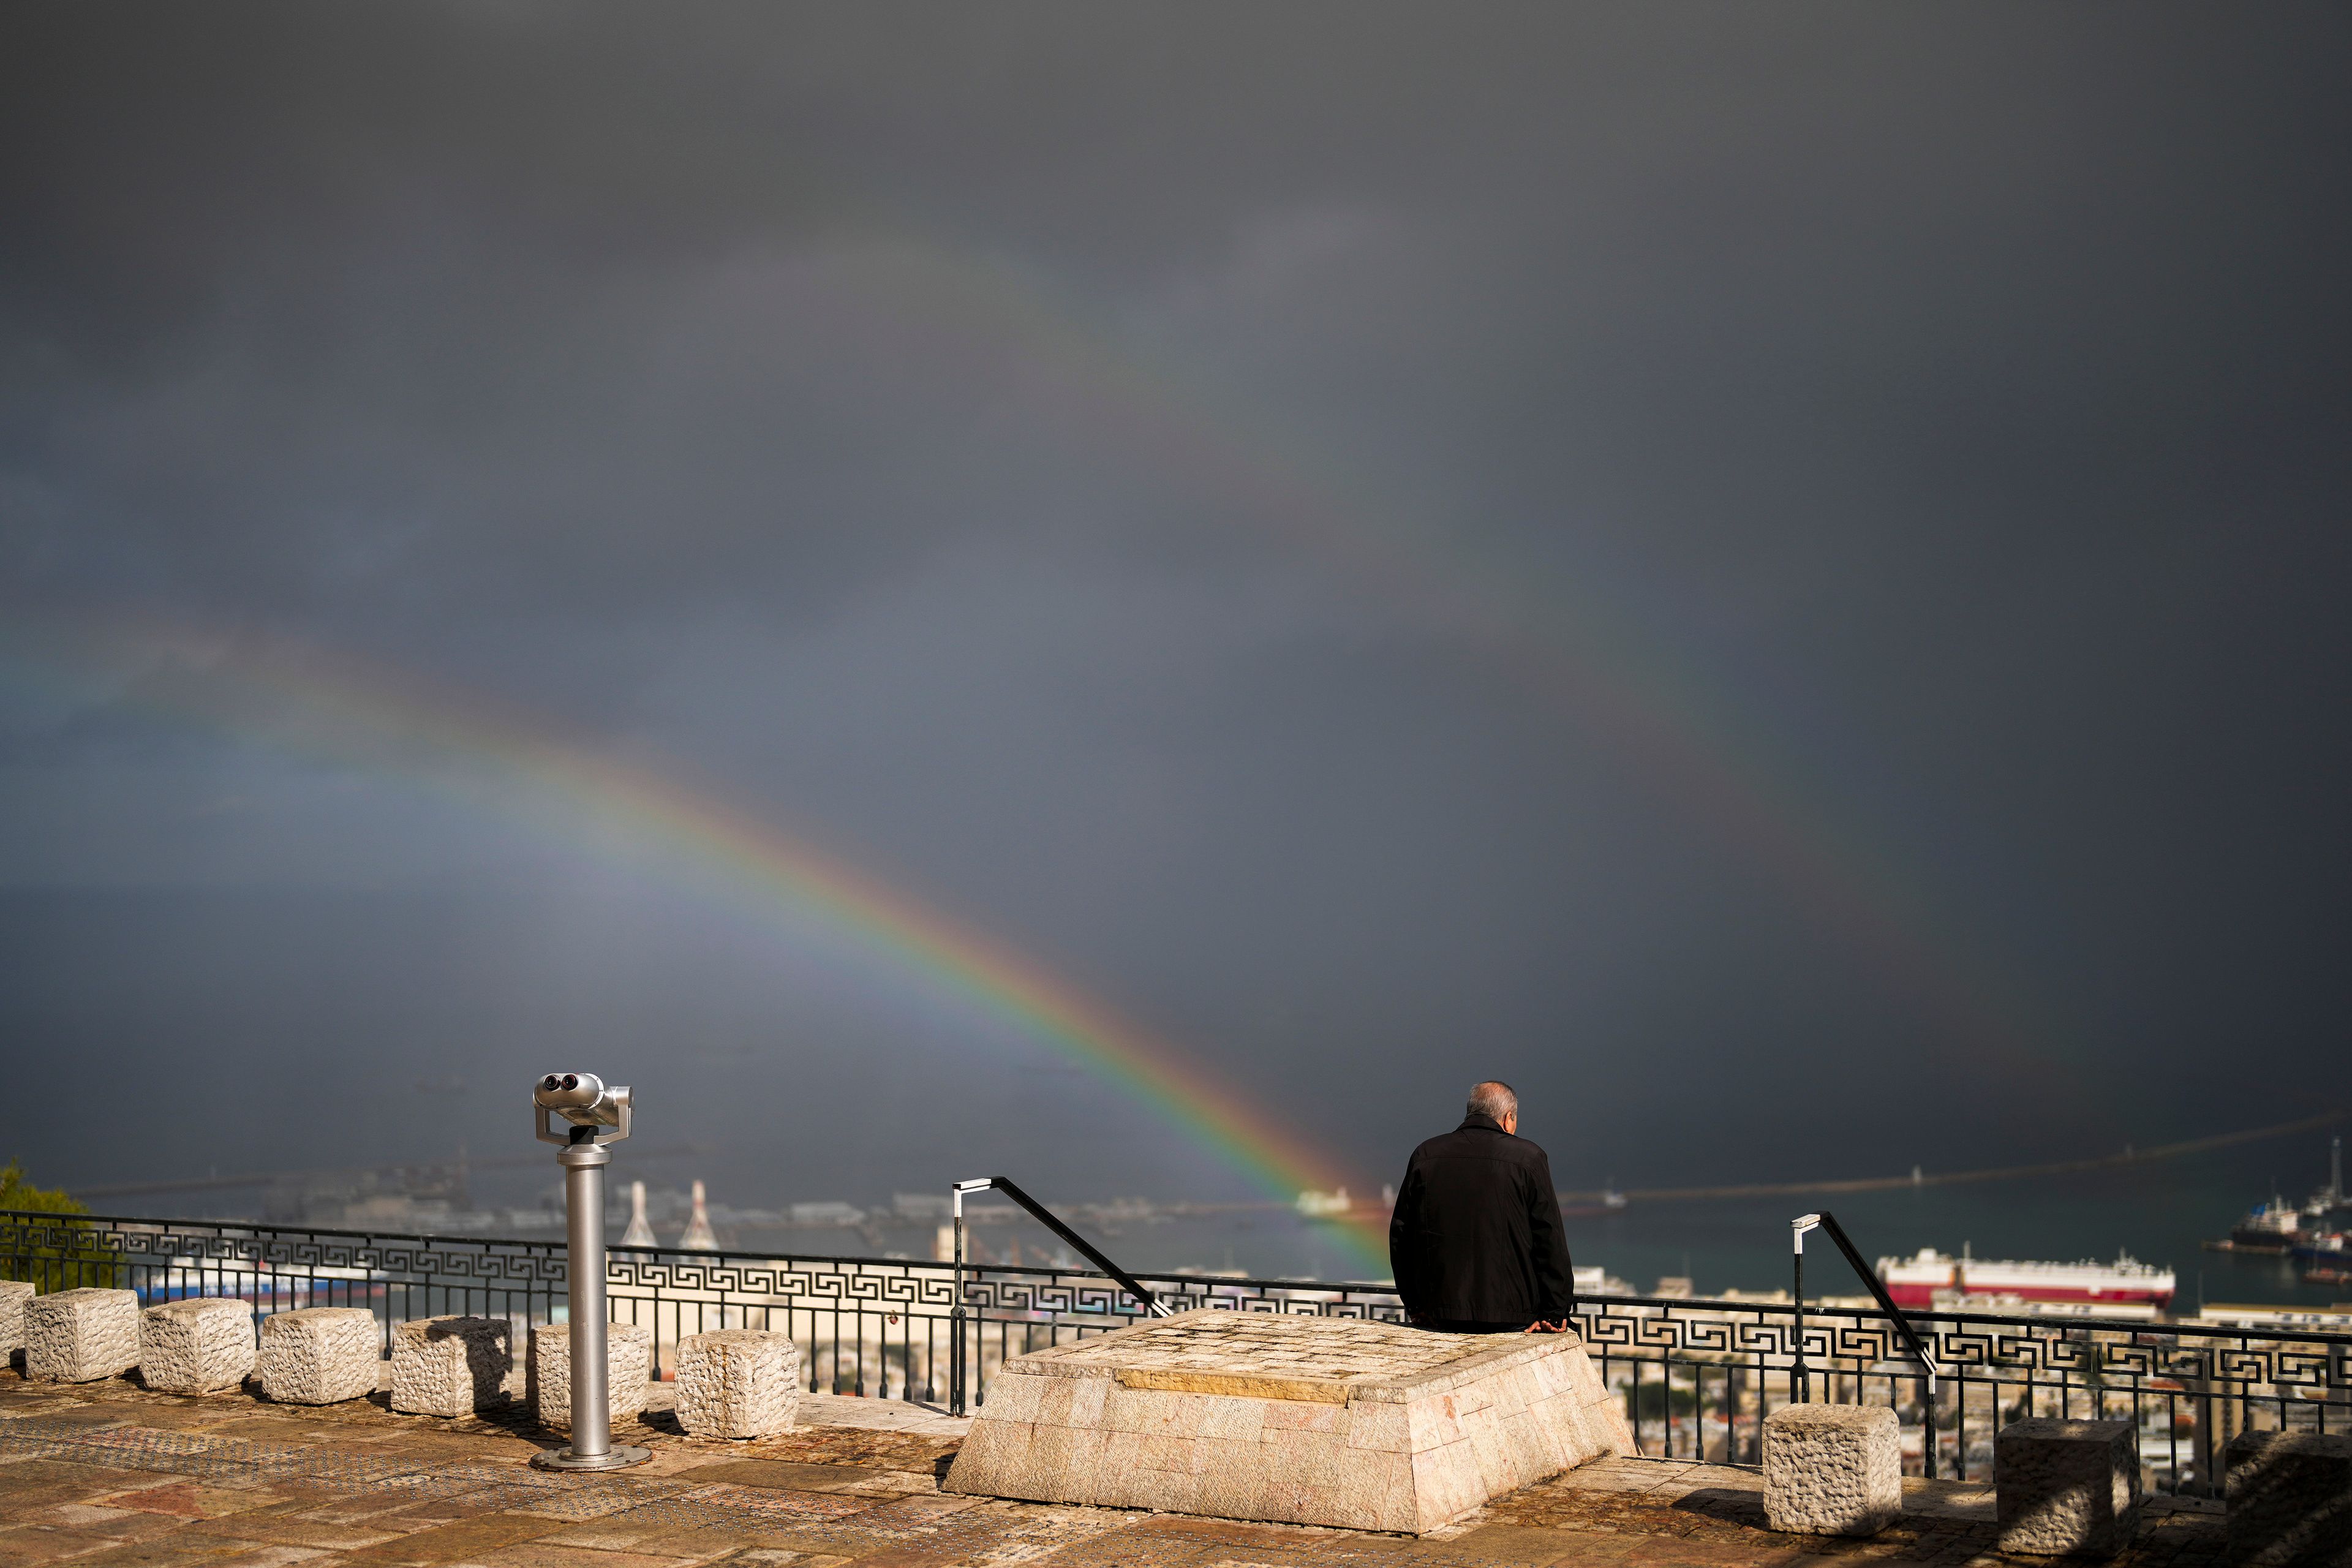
[[319, 1355], [2067, 1488], [628, 1363], [1299, 1420], [198, 1345], [737, 1382], [14, 1294], [2290, 1499], [81, 1336], [1832, 1469], [450, 1366]]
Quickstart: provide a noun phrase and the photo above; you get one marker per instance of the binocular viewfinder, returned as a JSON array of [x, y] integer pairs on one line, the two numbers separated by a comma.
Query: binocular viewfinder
[[583, 1100]]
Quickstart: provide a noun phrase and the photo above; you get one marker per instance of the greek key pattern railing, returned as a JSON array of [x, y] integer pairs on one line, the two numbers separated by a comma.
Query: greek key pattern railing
[[1697, 1376]]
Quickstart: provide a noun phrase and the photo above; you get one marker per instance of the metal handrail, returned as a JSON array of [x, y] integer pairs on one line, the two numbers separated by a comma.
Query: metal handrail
[[1801, 1383], [1046, 1217]]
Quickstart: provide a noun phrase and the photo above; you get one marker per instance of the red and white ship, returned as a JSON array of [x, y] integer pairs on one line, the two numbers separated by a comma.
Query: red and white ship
[[1916, 1282]]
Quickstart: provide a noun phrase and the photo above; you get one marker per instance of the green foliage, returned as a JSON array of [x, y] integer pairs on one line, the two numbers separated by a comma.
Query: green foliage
[[17, 1192], [43, 1251], [1657, 1401]]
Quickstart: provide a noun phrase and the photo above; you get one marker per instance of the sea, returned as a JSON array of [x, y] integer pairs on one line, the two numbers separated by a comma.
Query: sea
[[2159, 1213]]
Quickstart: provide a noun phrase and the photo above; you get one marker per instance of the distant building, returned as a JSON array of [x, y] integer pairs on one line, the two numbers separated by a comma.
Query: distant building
[[2333, 1320], [1600, 1282]]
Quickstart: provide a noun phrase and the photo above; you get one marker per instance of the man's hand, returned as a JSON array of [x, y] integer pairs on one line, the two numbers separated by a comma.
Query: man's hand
[[1541, 1327]]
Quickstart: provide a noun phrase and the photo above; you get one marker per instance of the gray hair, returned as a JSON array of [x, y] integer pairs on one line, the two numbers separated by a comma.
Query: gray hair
[[1493, 1100]]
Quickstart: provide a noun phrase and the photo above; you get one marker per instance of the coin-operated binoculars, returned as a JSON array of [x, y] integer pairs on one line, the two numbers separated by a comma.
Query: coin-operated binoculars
[[597, 1116]]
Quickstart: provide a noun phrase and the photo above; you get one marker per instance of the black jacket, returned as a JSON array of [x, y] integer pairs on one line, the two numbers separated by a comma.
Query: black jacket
[[1477, 1235]]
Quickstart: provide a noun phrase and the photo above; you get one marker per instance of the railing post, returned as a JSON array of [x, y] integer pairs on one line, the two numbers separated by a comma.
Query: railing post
[[1800, 1387], [958, 1394], [1928, 1438], [2214, 1426]]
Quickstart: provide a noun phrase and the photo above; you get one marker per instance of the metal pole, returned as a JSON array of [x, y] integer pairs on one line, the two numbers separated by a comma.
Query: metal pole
[[955, 1316], [598, 1116], [583, 1199], [1800, 1384], [1928, 1446]]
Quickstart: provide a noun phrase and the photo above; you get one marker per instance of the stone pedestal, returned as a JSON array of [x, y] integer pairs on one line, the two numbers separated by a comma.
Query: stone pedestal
[[2290, 1499], [319, 1355], [450, 1366], [81, 1336], [199, 1345], [737, 1382], [2067, 1487], [1296, 1420], [14, 1294], [628, 1363], [1832, 1469]]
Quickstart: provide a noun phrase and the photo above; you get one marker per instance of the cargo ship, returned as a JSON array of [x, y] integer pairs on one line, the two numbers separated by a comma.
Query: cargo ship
[[2272, 1227], [2329, 1246], [2314, 1229], [1918, 1280]]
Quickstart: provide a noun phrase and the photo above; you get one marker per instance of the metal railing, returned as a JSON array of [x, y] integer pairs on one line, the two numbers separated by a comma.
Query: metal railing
[[1922, 1358], [1703, 1376], [1697, 1376], [960, 1380]]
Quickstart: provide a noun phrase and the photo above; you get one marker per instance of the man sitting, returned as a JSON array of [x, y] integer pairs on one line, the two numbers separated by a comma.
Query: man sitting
[[1475, 1240]]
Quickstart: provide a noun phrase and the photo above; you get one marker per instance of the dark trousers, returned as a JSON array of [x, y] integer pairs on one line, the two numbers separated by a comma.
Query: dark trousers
[[1468, 1326]]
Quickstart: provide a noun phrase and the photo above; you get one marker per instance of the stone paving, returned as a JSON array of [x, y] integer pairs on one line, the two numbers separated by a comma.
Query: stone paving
[[108, 1475]]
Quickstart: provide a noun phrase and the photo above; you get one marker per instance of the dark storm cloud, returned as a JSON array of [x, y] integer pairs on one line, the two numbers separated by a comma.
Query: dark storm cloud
[[895, 419]]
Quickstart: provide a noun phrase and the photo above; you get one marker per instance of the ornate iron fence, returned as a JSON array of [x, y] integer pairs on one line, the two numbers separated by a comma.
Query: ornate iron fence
[[1698, 1377]]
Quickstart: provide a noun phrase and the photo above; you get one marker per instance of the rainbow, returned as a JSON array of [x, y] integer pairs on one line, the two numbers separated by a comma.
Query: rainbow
[[1577, 656], [305, 699]]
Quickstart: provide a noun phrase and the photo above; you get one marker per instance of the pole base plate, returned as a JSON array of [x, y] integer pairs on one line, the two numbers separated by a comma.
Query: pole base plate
[[613, 1458]]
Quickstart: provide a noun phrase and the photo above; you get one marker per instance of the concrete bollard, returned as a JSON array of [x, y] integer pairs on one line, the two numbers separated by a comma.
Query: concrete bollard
[[450, 1366], [2290, 1499], [199, 1345], [2067, 1488], [628, 1360], [14, 1294], [1832, 1469], [737, 1382], [81, 1336], [319, 1355]]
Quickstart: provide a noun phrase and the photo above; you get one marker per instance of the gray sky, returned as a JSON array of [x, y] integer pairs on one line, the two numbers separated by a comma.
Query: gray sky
[[1773, 576]]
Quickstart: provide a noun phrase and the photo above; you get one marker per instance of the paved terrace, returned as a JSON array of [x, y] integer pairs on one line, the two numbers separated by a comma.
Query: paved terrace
[[111, 1476]]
